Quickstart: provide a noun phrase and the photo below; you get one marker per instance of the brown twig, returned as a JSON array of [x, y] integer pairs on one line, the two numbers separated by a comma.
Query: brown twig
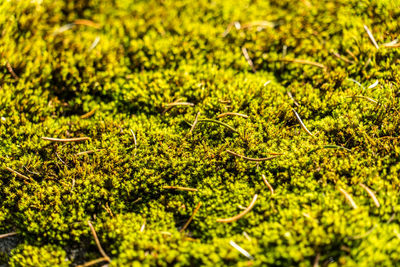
[[173, 104], [371, 194], [88, 152], [90, 113], [65, 140], [96, 239], [258, 23], [8, 235], [93, 262], [303, 61], [352, 55], [180, 188], [11, 70], [345, 59], [191, 218], [252, 159], [248, 59], [240, 215], [194, 123], [87, 22], [232, 114], [267, 184], [20, 175]]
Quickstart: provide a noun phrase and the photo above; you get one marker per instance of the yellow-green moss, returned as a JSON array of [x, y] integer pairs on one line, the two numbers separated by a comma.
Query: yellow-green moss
[[131, 59]]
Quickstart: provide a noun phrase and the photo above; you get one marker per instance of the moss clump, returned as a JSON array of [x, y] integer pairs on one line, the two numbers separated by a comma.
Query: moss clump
[[127, 59]]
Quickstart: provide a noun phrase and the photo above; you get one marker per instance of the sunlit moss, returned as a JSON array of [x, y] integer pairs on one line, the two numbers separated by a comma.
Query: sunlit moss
[[128, 60]]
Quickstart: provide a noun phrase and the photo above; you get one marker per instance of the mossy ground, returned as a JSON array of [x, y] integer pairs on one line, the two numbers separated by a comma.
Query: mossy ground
[[141, 55]]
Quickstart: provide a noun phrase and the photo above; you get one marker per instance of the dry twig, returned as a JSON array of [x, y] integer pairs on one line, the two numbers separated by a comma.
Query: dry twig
[[371, 194], [96, 239], [191, 218], [267, 184], [180, 188], [248, 59], [302, 124], [65, 140], [232, 114]]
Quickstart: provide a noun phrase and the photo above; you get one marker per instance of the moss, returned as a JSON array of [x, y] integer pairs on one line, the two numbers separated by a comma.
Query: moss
[[131, 58]]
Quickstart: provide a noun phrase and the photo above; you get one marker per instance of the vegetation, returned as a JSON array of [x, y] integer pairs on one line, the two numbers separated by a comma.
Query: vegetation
[[135, 89]]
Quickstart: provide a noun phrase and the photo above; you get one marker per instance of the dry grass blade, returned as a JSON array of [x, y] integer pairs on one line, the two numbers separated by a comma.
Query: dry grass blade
[[267, 184], [371, 194], [96, 239], [180, 188], [291, 97], [8, 235], [87, 22], [11, 70], [240, 215], [373, 85], [345, 59], [194, 123], [252, 159], [371, 37], [65, 140], [348, 197], [218, 122], [248, 59], [364, 97], [241, 250], [303, 61], [27, 178], [191, 217], [232, 114], [258, 24], [316, 260], [88, 152], [352, 55], [302, 124], [134, 140], [179, 104], [90, 113], [93, 262]]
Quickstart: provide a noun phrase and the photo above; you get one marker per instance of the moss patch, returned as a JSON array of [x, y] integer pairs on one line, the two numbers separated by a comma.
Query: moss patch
[[124, 61]]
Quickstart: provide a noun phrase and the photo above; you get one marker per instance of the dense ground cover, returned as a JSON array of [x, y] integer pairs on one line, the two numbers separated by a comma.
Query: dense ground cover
[[107, 70]]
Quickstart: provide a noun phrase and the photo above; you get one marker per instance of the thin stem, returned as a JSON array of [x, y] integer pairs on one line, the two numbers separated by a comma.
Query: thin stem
[[8, 235], [232, 114], [218, 122], [20, 174], [252, 159], [191, 218], [90, 113], [302, 124], [96, 239], [267, 184], [371, 194], [65, 140], [240, 215], [349, 198], [180, 188]]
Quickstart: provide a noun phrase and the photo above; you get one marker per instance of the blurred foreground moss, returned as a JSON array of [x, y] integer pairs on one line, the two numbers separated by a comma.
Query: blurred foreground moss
[[107, 70]]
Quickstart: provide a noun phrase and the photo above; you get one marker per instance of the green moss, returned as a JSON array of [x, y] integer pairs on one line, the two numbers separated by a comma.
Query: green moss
[[145, 54]]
